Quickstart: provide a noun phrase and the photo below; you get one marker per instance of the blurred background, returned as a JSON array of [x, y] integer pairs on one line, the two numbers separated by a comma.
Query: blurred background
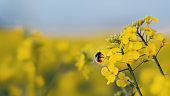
[[47, 46], [74, 17]]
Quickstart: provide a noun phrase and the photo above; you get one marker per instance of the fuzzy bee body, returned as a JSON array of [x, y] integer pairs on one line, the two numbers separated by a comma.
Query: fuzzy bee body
[[99, 57]]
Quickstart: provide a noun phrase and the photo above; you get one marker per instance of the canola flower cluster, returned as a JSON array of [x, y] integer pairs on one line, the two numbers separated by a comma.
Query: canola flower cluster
[[128, 47]]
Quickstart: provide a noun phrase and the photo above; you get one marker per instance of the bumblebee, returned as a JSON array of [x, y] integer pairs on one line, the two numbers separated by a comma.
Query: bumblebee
[[99, 57]]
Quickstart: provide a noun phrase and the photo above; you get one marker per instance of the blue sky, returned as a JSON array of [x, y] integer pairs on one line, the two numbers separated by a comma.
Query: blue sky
[[75, 16]]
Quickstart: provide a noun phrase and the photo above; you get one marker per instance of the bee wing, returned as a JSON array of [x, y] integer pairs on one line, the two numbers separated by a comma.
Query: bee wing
[[93, 61]]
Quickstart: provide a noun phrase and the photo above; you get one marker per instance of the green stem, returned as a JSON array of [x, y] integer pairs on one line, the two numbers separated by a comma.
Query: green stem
[[154, 57], [124, 69], [142, 38], [138, 65], [122, 51], [158, 51], [159, 66], [135, 81]]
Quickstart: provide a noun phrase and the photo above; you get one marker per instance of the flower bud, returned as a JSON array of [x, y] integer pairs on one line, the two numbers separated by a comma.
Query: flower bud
[[141, 21]]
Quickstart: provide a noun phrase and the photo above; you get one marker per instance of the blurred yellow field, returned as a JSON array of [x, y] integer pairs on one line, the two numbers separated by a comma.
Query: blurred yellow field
[[36, 65]]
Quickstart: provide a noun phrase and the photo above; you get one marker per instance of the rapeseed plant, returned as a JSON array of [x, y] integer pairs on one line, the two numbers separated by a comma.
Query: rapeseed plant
[[133, 43]]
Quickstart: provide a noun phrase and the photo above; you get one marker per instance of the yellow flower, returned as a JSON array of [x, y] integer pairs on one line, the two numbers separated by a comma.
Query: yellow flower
[[141, 21], [130, 46], [159, 36], [133, 36], [109, 72], [163, 43], [135, 45], [154, 19], [150, 49], [81, 62], [149, 31], [115, 57], [132, 29], [123, 80], [148, 19], [125, 40], [130, 56], [129, 33], [113, 51]]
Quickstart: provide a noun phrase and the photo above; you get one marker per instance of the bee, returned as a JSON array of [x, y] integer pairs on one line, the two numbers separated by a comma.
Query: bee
[[99, 57]]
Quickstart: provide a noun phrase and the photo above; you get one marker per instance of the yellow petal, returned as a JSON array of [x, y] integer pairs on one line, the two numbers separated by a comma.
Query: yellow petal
[[154, 19], [110, 66], [148, 33], [125, 40], [109, 53], [134, 29], [163, 43], [133, 36], [110, 78], [115, 57], [112, 69], [130, 46], [135, 55], [108, 82], [115, 50], [119, 83], [118, 56], [115, 70], [150, 49], [137, 45], [121, 75], [129, 29], [124, 83], [104, 71], [112, 59], [159, 36]]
